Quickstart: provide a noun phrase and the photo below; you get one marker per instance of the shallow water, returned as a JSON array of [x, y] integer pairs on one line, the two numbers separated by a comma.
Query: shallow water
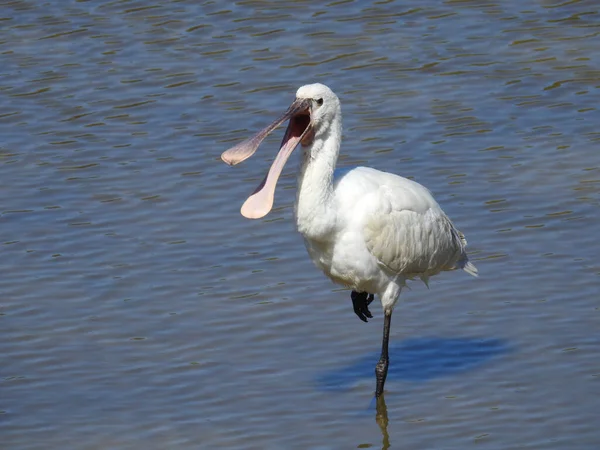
[[140, 310]]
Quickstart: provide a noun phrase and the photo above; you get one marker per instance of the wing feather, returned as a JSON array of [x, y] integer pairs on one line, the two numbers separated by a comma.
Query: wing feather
[[409, 234]]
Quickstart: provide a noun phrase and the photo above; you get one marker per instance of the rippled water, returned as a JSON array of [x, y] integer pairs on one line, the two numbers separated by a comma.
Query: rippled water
[[138, 309]]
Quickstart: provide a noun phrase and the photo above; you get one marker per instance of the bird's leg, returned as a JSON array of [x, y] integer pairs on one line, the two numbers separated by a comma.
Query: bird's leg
[[381, 369], [361, 302]]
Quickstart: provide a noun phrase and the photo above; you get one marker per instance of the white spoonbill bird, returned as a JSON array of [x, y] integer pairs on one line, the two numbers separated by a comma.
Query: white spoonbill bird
[[365, 229]]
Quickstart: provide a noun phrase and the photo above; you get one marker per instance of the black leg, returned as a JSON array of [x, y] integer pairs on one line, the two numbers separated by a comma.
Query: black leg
[[381, 369], [370, 299], [361, 302]]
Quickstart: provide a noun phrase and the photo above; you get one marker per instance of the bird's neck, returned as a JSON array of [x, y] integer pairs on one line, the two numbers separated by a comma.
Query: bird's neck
[[314, 203]]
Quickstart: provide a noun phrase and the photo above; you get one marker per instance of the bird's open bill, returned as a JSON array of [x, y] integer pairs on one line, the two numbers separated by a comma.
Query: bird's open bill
[[299, 130]]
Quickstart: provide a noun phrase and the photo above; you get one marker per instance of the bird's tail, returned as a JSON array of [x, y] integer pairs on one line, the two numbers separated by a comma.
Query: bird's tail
[[465, 264], [470, 268]]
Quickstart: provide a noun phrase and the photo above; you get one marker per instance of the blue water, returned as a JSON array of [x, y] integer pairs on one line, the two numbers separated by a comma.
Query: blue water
[[421, 359], [138, 309]]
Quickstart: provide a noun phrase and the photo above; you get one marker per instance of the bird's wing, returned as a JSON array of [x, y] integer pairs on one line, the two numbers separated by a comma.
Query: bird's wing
[[408, 233]]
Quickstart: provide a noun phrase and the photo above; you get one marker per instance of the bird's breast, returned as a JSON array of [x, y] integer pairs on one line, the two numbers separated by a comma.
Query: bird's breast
[[346, 262]]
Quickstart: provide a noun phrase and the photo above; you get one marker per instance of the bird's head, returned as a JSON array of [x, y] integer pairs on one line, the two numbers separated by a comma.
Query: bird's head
[[310, 116], [321, 105]]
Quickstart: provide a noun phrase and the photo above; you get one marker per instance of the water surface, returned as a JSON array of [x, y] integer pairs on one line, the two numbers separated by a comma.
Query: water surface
[[138, 309]]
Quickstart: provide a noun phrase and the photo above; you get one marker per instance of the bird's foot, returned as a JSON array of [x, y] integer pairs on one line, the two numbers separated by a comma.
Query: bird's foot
[[361, 302]]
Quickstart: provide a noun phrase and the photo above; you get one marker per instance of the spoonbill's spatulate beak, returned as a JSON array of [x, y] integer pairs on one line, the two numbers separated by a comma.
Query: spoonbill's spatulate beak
[[261, 201]]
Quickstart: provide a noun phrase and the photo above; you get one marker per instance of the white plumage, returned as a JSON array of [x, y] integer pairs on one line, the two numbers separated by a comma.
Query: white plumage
[[365, 229], [368, 230], [386, 229]]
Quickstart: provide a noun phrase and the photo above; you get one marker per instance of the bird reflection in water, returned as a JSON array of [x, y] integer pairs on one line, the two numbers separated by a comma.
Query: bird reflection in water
[[382, 420]]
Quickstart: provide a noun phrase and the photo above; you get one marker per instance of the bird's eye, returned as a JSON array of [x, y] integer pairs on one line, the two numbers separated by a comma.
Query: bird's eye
[[319, 101]]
